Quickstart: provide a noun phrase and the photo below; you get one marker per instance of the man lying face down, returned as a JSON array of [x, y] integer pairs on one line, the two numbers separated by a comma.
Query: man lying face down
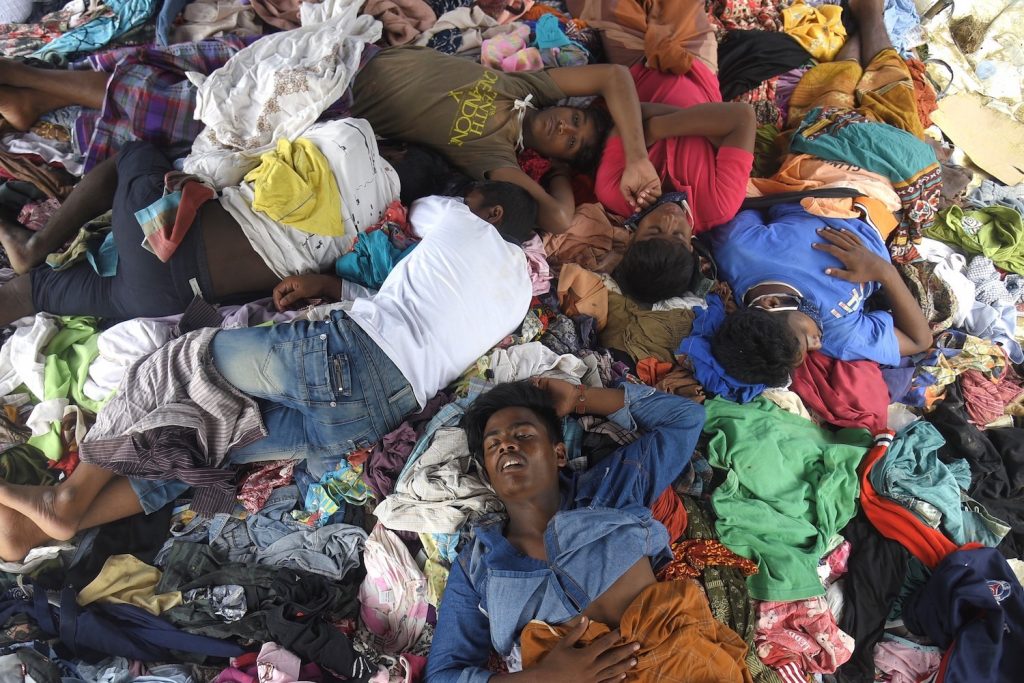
[[230, 252], [562, 585], [323, 387], [802, 283]]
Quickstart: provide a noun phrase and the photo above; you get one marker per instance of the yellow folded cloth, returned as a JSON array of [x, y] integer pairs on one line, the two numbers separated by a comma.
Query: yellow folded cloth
[[294, 185], [125, 579], [819, 29]]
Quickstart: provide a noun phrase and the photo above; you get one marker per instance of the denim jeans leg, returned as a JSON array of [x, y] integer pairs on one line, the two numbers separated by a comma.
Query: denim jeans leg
[[324, 388], [153, 494]]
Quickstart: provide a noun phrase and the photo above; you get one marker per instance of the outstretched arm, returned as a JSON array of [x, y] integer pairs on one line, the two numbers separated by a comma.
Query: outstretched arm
[[294, 291]]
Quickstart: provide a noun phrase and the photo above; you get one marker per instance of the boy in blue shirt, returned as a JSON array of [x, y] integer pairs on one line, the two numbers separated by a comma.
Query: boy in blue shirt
[[802, 282], [573, 550]]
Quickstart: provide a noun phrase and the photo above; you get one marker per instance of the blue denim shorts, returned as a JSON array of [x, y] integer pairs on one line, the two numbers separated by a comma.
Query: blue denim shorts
[[324, 388]]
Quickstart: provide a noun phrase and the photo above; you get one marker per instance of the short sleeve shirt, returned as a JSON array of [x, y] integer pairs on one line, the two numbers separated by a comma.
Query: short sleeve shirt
[[775, 246], [714, 179], [453, 105]]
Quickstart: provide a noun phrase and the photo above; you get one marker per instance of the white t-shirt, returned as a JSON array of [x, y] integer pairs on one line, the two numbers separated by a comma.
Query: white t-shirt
[[367, 183], [459, 292]]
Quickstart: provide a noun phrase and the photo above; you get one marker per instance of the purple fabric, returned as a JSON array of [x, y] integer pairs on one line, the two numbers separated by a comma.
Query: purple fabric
[[419, 420], [148, 96], [898, 381], [785, 86], [387, 460]]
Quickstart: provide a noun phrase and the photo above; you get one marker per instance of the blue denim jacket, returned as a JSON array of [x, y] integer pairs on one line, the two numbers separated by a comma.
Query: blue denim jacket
[[603, 528]]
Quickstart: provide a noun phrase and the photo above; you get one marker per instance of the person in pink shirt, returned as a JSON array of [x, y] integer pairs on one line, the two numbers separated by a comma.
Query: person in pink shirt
[[697, 143]]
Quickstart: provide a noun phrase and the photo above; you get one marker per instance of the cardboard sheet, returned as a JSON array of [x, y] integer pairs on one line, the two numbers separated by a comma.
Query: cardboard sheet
[[993, 140]]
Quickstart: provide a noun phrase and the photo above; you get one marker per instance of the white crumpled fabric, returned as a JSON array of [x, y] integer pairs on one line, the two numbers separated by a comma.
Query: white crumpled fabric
[[276, 88], [21, 357]]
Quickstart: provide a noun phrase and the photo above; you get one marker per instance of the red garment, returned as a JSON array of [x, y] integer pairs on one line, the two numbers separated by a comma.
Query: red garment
[[395, 213], [924, 93], [844, 393], [716, 181], [693, 556], [165, 241], [669, 510], [258, 484], [651, 370], [986, 398], [67, 464], [895, 521]]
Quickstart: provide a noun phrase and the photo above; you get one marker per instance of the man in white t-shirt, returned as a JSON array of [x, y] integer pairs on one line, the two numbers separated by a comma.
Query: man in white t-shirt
[[326, 388], [341, 384]]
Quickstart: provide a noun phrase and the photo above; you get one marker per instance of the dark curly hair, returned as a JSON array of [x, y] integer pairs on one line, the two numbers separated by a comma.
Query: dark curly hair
[[757, 347], [509, 395], [655, 269], [519, 221], [421, 171], [589, 156]]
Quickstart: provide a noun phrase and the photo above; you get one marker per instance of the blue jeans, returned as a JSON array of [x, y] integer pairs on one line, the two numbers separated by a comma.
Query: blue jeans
[[324, 389]]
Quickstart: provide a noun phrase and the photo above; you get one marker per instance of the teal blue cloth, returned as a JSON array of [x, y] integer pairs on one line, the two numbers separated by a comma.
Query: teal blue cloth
[[372, 259], [95, 34], [912, 475], [549, 33], [103, 257], [876, 147]]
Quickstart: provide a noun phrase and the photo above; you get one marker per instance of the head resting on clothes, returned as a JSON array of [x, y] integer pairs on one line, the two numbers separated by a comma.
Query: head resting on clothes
[[506, 206], [659, 262], [569, 134], [421, 171], [668, 218], [758, 347], [514, 431], [653, 270]]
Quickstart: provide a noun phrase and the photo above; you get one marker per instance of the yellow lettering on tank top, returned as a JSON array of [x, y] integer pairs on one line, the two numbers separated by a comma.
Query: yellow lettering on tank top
[[476, 107]]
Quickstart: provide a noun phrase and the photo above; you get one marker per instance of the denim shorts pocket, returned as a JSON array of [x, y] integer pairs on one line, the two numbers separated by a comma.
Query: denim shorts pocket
[[403, 403], [340, 375], [304, 370]]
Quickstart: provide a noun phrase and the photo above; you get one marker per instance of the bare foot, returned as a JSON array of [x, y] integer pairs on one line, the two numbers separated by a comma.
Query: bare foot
[[22, 107], [48, 507], [16, 241], [18, 535]]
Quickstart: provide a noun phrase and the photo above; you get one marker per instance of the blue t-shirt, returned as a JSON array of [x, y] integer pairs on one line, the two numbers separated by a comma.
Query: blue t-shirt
[[775, 246]]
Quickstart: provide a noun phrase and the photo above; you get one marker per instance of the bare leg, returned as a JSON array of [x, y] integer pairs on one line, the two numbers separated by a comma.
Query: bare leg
[[91, 197], [59, 511], [870, 28], [85, 88], [850, 49], [27, 93], [19, 534], [16, 300], [22, 107]]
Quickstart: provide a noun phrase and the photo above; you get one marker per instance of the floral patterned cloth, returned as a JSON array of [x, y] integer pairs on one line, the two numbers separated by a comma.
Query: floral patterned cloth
[[803, 632]]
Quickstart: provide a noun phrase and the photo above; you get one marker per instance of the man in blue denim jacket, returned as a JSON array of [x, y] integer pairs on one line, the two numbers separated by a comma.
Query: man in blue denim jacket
[[573, 548]]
